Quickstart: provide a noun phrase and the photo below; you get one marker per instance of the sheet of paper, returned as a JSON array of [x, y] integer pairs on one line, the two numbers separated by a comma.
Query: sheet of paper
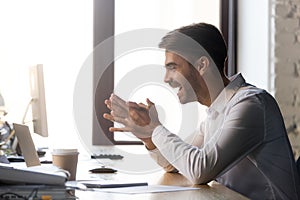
[[146, 189]]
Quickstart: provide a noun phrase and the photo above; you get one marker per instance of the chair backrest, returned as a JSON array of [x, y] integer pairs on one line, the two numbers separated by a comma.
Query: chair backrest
[[298, 166]]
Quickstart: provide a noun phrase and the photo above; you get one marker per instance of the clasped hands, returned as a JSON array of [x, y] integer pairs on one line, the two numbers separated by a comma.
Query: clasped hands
[[139, 119]]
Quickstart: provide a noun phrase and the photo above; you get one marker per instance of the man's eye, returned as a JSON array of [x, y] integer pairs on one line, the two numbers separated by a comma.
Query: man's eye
[[171, 67]]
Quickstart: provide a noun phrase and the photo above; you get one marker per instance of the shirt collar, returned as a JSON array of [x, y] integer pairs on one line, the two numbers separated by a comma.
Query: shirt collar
[[236, 82]]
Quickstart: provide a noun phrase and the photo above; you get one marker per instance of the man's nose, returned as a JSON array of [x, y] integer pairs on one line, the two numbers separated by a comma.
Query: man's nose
[[167, 78]]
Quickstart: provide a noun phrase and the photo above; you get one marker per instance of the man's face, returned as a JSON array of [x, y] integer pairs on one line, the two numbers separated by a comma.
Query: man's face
[[180, 74]]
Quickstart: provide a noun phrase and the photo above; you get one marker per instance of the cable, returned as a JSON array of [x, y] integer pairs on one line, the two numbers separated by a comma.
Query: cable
[[33, 194], [12, 195], [26, 111]]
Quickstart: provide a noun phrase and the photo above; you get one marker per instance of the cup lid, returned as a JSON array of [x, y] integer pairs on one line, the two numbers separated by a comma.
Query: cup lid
[[65, 151]]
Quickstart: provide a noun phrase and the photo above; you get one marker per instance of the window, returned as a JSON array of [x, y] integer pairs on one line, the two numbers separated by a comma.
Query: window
[[117, 17]]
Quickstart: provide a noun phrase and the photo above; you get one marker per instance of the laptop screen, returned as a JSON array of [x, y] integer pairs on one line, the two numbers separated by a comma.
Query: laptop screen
[[26, 144]]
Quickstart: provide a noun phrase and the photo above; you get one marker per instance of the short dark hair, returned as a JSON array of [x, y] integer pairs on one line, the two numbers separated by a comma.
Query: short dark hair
[[188, 40]]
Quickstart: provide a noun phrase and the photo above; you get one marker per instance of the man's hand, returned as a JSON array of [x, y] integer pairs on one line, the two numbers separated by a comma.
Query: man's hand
[[140, 119]]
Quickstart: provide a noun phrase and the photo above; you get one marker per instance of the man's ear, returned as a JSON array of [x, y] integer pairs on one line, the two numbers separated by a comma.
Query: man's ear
[[201, 64]]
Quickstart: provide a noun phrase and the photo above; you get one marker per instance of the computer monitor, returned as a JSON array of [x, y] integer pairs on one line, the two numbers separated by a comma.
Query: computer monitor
[[38, 101]]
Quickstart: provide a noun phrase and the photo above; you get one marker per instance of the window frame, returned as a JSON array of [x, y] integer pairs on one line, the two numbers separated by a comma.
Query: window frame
[[228, 26]]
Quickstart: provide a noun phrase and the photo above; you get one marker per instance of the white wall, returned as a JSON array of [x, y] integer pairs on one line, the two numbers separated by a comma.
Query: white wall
[[253, 42], [57, 34]]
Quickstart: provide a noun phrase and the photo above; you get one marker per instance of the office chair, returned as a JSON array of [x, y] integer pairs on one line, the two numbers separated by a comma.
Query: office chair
[[298, 166]]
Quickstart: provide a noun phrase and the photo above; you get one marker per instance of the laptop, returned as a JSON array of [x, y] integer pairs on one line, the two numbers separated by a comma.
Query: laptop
[[35, 173], [26, 144]]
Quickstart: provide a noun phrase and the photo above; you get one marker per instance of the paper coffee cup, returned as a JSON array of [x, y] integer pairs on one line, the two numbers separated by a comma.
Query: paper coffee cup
[[66, 159]]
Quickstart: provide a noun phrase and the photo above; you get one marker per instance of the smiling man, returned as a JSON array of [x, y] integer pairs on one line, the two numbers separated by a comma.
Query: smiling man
[[243, 142]]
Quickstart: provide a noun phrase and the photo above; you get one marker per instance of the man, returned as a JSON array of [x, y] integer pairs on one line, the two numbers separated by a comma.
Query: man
[[243, 142]]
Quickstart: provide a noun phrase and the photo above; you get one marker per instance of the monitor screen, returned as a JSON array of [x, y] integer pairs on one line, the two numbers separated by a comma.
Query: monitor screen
[[38, 101]]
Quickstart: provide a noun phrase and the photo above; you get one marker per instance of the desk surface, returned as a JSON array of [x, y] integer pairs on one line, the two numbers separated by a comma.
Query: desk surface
[[211, 191]]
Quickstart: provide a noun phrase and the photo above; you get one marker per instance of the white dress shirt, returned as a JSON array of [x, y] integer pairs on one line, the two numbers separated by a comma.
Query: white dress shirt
[[242, 144]]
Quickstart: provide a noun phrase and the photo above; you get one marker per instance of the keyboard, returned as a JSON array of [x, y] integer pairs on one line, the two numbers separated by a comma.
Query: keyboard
[[107, 156]]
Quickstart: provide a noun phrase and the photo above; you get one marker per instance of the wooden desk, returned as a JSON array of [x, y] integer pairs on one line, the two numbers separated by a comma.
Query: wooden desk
[[211, 191]]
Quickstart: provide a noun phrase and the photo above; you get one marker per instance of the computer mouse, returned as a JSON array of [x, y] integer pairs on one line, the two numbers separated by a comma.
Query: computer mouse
[[40, 153], [103, 170]]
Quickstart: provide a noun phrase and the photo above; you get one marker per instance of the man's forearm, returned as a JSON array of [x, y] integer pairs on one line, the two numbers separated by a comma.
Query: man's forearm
[[149, 144]]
